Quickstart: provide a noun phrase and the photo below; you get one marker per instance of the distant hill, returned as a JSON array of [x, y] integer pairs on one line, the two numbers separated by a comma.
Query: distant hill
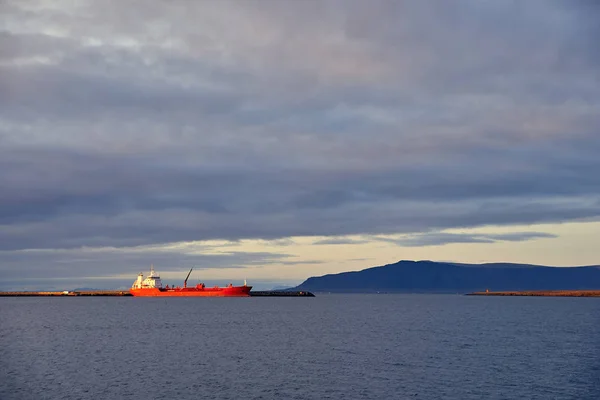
[[441, 277]]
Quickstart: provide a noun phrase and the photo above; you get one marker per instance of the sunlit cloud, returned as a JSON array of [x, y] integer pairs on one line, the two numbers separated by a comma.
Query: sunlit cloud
[[442, 238]]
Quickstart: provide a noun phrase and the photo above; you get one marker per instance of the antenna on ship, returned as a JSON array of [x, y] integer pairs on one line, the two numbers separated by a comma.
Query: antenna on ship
[[151, 269], [186, 278]]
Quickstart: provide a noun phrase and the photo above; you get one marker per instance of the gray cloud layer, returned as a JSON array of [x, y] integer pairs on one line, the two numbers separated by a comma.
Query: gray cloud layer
[[132, 123]]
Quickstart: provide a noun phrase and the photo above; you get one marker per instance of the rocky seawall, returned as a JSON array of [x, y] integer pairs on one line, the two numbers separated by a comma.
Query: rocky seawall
[[545, 293]]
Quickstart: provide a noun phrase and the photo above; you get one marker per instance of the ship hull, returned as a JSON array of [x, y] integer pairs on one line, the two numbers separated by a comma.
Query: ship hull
[[234, 291]]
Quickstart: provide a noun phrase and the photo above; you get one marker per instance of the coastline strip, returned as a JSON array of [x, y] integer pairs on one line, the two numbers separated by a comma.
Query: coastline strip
[[541, 293]]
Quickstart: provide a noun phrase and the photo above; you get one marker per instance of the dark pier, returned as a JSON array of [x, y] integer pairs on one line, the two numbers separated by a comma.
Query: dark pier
[[541, 293], [69, 293], [275, 293], [267, 293]]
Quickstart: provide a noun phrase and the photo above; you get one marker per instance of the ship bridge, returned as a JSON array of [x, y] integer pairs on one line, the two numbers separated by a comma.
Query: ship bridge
[[151, 281]]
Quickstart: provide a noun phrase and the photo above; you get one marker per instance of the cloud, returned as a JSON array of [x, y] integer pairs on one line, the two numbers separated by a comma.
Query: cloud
[[443, 238], [339, 240], [110, 262], [125, 126]]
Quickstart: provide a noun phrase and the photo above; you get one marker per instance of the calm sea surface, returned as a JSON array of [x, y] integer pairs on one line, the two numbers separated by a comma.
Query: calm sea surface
[[331, 346]]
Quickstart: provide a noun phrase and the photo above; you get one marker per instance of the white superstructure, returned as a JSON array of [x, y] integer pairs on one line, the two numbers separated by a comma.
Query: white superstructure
[[152, 281]]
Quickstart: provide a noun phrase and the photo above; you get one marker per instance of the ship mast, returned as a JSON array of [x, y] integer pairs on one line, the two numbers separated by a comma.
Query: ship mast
[[186, 278]]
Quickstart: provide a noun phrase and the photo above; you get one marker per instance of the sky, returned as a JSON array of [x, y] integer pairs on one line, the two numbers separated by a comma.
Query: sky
[[277, 140]]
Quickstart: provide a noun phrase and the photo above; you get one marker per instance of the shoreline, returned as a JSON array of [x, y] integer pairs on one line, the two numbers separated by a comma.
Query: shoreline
[[541, 293]]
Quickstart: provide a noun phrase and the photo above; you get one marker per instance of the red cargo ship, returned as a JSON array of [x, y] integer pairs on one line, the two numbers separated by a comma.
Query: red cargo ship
[[152, 287]]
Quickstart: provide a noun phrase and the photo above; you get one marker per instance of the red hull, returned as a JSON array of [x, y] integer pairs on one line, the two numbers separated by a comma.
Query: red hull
[[233, 291]]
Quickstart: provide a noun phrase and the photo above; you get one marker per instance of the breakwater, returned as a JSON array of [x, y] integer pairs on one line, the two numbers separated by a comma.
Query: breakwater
[[274, 293], [67, 293], [541, 293]]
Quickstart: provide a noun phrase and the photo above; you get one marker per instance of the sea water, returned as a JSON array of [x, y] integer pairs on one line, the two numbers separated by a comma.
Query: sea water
[[357, 346]]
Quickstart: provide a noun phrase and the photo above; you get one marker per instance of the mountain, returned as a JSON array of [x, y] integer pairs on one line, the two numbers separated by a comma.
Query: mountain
[[442, 277]]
